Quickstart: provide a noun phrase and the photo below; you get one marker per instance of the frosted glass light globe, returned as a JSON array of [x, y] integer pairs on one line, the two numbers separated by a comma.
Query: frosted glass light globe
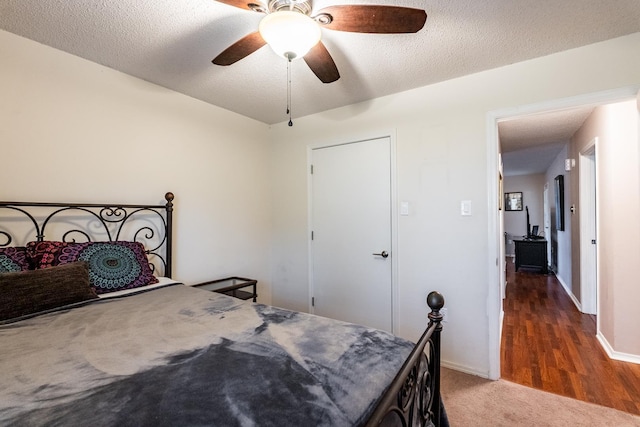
[[290, 34]]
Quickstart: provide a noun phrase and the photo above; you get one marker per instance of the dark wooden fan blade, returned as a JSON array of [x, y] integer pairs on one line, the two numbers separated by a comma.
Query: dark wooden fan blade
[[244, 4], [374, 19], [321, 63], [240, 49]]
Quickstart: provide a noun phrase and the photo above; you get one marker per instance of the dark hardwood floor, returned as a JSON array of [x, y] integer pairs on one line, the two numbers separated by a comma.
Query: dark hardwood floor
[[549, 345]]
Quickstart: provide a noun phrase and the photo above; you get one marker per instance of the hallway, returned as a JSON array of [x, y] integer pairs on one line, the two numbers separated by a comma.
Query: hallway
[[549, 345]]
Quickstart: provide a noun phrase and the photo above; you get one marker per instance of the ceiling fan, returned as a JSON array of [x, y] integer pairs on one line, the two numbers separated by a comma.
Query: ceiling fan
[[291, 22]]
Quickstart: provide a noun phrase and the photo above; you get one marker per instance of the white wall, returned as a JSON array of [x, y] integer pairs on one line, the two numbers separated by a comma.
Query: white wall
[[442, 159], [515, 222], [618, 248], [564, 249], [74, 131]]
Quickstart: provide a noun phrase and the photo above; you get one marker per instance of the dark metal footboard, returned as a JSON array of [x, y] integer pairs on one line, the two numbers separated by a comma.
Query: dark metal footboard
[[413, 398]]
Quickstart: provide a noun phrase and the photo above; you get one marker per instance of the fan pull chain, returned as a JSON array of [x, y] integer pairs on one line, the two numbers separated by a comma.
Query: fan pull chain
[[289, 89]]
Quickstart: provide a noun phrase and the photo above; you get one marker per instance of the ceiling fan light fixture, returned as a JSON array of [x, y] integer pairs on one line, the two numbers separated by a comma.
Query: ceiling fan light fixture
[[290, 34]]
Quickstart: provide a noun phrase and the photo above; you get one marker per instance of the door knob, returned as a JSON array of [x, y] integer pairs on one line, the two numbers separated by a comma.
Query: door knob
[[383, 254]]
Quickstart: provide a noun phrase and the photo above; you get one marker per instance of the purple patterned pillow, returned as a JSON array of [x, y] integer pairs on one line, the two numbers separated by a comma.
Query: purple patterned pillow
[[13, 258], [113, 266]]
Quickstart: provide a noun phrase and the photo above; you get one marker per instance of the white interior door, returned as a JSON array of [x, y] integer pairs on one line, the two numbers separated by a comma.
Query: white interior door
[[351, 223], [588, 231]]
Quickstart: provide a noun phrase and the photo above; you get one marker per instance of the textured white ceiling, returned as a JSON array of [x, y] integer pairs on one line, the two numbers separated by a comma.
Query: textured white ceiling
[[540, 129], [529, 144], [171, 43]]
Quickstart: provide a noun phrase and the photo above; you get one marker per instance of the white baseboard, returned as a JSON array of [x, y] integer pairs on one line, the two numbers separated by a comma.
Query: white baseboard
[[567, 289], [501, 324], [616, 355], [463, 369]]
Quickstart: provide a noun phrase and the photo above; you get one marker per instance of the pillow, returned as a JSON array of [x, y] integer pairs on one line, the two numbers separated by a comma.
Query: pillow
[[33, 291], [13, 259], [113, 266]]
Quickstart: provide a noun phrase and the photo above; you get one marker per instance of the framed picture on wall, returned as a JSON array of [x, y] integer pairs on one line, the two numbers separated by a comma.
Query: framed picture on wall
[[559, 196], [513, 201]]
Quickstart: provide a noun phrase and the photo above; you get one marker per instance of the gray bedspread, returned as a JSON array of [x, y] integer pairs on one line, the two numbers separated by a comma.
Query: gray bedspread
[[188, 357]]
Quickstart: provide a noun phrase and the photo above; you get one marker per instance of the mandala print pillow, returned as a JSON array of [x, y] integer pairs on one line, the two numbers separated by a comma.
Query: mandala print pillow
[[113, 266], [13, 259]]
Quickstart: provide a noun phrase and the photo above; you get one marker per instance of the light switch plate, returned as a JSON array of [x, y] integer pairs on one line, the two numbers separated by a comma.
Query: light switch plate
[[404, 208], [465, 207]]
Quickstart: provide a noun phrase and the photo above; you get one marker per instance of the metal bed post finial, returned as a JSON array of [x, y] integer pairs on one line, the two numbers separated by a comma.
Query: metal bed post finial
[[435, 301], [169, 198]]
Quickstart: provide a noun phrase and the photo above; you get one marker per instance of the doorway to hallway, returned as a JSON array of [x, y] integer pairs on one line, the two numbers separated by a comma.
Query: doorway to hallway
[[549, 345]]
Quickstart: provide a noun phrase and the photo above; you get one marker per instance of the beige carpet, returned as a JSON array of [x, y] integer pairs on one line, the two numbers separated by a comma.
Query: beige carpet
[[473, 401]]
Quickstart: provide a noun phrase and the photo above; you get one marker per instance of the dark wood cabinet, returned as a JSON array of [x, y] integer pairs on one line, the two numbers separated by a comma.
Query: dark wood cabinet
[[532, 253]]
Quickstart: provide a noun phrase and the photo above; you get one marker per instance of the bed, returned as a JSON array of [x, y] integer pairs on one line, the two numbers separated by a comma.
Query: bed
[[95, 332]]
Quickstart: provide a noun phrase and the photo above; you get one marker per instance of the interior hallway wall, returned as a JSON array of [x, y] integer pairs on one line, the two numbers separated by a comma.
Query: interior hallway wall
[[564, 247], [442, 159], [618, 251]]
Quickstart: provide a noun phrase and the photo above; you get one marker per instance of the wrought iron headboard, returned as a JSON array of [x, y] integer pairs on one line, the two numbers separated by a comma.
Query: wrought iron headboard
[[151, 225]]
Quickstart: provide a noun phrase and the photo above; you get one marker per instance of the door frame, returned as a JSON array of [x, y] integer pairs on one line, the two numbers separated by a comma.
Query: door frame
[[361, 137], [494, 252], [588, 221]]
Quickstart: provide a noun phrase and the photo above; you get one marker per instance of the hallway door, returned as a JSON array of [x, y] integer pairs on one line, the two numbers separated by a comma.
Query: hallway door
[[588, 231]]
